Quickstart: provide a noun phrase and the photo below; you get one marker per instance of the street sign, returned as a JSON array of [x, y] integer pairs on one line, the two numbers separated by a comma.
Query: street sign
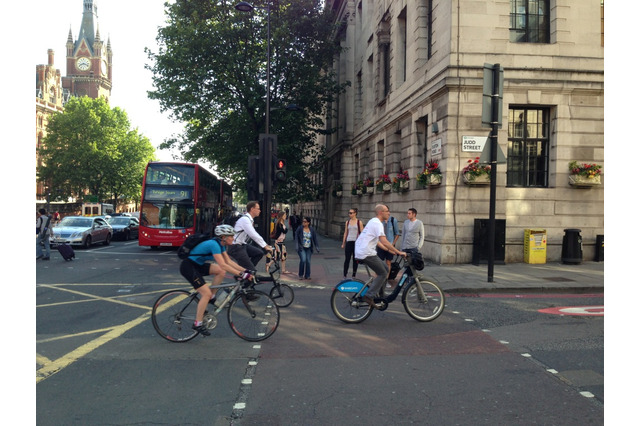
[[485, 157]]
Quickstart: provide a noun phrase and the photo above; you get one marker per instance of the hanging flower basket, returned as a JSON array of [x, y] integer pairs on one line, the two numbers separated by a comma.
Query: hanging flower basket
[[431, 175], [401, 182], [434, 179], [338, 194], [383, 184], [584, 182], [584, 175], [471, 179], [476, 174]]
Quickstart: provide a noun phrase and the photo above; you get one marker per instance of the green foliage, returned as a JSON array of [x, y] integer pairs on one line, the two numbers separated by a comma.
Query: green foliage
[[90, 147], [210, 72]]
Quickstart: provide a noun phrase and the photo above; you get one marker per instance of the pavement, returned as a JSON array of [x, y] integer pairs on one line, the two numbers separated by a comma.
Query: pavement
[[552, 277]]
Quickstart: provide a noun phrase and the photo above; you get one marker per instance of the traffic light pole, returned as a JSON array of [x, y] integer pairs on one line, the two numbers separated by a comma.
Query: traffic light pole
[[268, 148]]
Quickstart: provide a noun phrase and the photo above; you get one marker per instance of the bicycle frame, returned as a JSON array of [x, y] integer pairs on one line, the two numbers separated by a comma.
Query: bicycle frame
[[361, 287]]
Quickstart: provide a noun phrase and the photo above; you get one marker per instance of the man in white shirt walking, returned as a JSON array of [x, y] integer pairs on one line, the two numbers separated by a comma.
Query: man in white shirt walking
[[373, 236], [412, 232], [244, 254]]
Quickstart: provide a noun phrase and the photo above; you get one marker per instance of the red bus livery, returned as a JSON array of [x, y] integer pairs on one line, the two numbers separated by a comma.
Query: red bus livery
[[179, 199]]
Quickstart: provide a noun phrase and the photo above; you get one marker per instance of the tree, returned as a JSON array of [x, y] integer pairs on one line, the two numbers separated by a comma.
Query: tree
[[90, 147], [210, 72]]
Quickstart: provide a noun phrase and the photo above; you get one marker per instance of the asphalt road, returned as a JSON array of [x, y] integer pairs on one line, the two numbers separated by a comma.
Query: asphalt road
[[484, 361]]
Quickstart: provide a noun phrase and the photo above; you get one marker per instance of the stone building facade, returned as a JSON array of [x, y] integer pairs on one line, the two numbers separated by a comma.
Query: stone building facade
[[50, 99], [416, 70]]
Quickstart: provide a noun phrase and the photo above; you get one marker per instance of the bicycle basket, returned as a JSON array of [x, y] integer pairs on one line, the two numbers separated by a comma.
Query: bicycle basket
[[417, 261]]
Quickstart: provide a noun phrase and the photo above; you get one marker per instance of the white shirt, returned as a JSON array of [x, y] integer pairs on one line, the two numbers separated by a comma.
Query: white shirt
[[368, 239], [245, 230]]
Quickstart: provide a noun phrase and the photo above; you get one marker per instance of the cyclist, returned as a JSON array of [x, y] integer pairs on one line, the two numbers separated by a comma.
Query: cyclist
[[196, 266], [373, 236], [243, 253]]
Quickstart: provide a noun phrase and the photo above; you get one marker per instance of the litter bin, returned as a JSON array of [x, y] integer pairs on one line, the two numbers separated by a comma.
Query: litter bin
[[572, 246], [599, 248], [535, 246]]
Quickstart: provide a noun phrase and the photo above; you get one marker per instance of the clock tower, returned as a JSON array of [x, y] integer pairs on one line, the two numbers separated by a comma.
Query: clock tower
[[89, 60]]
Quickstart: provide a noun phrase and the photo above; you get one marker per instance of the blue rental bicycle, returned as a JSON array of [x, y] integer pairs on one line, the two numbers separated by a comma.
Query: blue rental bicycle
[[423, 300]]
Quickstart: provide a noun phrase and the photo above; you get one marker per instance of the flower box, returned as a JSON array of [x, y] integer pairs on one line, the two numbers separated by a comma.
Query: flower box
[[584, 175], [583, 181], [470, 179], [386, 187], [338, 194], [434, 179], [370, 189]]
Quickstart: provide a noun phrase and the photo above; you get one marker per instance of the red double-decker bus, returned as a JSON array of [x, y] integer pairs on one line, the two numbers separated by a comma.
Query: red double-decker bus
[[179, 199]]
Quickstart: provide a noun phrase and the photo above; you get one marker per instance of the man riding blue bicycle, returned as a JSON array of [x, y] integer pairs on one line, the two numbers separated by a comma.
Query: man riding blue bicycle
[[373, 236]]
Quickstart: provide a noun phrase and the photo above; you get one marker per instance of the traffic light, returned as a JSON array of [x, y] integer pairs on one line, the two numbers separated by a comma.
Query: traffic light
[[280, 170]]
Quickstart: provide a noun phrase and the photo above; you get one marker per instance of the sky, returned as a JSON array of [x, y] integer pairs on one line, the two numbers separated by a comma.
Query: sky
[[132, 26]]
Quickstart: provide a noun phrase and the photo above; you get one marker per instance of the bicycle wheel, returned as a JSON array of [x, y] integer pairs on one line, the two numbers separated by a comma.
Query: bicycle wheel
[[173, 314], [423, 300], [282, 294], [253, 315], [348, 309]]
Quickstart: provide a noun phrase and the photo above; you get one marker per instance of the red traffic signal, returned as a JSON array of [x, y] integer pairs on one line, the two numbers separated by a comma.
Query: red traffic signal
[[280, 174]]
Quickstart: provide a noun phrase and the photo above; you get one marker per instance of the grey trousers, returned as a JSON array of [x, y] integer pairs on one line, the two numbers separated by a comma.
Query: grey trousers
[[380, 268]]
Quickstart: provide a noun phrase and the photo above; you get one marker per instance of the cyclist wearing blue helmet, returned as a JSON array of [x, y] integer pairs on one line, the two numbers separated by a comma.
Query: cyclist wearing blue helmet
[[195, 267]]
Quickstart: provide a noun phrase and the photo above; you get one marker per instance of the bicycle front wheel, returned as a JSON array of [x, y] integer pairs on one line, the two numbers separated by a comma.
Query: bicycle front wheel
[[282, 294], [423, 300], [173, 314], [253, 315], [348, 308]]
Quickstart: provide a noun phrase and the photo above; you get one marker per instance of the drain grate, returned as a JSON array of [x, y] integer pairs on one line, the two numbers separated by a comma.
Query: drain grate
[[559, 279]]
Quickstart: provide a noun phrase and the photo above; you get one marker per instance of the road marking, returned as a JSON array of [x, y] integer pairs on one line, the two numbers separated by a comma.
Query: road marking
[[64, 361], [94, 297], [575, 310]]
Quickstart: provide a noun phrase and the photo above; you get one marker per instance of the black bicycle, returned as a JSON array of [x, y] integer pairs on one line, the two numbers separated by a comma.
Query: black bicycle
[[281, 293], [423, 300], [252, 314]]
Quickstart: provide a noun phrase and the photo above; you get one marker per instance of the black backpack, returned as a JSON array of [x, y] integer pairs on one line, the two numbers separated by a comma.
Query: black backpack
[[192, 241]]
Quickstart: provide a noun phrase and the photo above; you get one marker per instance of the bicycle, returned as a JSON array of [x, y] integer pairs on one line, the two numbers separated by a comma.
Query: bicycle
[[423, 300], [281, 293], [252, 315]]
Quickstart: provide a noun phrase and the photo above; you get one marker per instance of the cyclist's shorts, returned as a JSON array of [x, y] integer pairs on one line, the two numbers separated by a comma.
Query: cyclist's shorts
[[194, 272]]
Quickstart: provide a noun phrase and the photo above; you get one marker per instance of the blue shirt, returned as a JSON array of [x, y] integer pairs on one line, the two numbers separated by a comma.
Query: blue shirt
[[391, 229], [205, 251]]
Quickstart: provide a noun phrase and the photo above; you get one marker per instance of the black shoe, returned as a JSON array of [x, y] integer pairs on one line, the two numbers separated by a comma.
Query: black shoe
[[201, 329], [45, 258]]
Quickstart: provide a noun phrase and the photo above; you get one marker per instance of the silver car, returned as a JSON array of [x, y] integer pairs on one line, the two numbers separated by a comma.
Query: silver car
[[82, 231]]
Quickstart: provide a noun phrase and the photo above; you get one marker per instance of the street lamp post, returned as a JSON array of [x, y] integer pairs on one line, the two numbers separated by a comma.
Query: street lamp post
[[268, 142], [244, 6]]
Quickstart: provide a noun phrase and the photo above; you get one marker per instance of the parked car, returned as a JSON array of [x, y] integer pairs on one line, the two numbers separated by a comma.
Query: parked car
[[82, 231], [124, 227]]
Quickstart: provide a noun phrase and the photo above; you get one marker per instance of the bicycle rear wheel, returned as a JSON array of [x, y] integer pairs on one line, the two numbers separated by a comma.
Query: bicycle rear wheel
[[423, 300], [282, 295], [253, 315], [348, 308], [173, 314]]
